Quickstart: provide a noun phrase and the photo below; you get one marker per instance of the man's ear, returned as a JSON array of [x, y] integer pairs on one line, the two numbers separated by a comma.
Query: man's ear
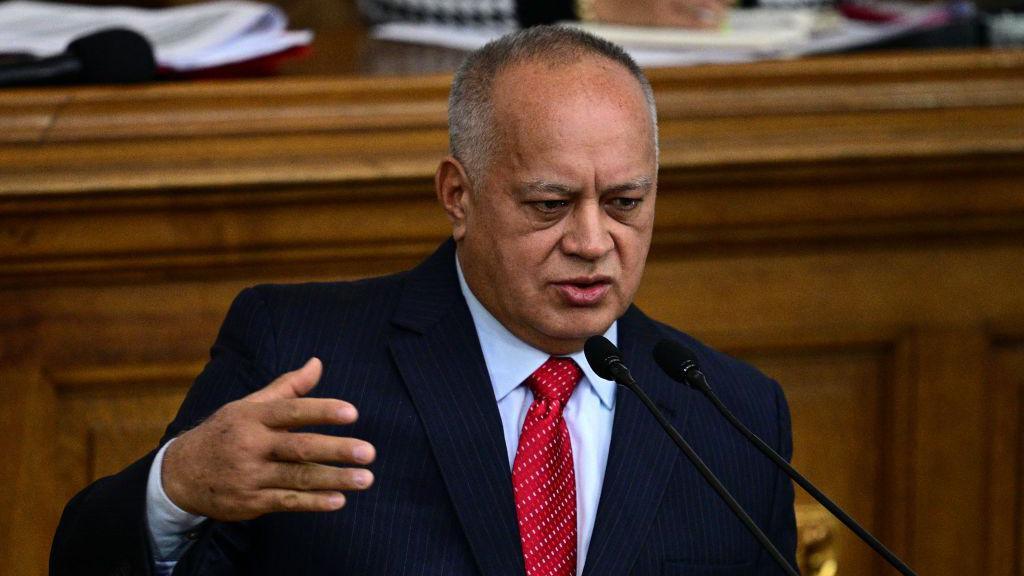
[[453, 192]]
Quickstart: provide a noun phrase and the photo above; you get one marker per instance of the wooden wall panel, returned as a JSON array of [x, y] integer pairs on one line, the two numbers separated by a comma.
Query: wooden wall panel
[[102, 430], [909, 330], [949, 486], [1004, 533], [31, 499], [836, 397], [854, 226]]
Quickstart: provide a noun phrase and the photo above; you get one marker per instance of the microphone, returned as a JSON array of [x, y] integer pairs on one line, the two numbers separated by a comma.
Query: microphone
[[680, 363], [606, 360], [111, 56]]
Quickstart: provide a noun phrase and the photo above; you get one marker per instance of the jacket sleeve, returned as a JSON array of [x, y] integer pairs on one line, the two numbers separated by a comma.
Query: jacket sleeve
[[103, 529], [782, 527]]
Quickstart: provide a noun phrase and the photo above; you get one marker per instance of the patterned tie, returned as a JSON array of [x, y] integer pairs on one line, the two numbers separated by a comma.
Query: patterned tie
[[543, 477]]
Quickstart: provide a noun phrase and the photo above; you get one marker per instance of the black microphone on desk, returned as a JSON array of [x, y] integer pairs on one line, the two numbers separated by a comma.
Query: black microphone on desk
[[680, 363], [112, 56], [606, 360]]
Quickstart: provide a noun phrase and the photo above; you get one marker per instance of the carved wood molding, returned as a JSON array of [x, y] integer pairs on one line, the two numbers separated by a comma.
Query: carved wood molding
[[198, 234], [256, 133], [193, 179], [123, 377]]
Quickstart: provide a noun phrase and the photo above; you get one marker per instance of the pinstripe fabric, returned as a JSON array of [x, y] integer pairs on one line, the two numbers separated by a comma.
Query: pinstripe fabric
[[442, 502], [692, 531]]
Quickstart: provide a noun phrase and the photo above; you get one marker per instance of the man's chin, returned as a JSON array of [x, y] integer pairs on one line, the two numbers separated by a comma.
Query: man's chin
[[576, 328]]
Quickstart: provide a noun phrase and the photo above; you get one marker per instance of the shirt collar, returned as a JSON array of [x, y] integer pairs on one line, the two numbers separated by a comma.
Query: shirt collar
[[510, 360]]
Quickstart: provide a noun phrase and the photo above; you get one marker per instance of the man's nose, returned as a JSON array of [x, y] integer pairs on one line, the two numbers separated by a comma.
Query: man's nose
[[587, 235]]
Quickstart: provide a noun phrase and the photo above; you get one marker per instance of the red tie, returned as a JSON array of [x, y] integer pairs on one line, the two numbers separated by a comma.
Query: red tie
[[543, 477]]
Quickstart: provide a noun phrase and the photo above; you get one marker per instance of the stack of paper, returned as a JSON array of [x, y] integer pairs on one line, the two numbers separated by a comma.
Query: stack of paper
[[749, 34], [184, 38], [745, 29]]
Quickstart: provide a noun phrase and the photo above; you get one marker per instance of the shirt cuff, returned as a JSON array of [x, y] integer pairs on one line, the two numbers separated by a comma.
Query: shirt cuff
[[169, 525]]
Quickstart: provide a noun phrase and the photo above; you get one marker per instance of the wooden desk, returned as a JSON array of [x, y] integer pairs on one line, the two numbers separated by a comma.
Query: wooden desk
[[854, 226]]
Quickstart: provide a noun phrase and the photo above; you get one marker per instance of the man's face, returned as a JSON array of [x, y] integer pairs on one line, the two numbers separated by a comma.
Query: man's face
[[554, 237]]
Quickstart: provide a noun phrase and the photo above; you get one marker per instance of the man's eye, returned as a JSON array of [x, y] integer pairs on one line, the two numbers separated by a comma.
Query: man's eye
[[626, 203], [551, 205]]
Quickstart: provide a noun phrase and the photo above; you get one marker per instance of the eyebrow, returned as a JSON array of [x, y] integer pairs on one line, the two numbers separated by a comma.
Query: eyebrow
[[641, 183], [549, 187]]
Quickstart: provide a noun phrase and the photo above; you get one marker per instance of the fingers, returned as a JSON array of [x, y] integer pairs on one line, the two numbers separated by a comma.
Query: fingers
[[281, 500], [298, 412], [305, 447], [307, 477], [294, 384], [242, 462]]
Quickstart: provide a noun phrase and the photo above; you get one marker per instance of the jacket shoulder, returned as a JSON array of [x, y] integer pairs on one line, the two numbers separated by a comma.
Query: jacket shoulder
[[720, 368], [755, 398], [327, 303], [374, 289]]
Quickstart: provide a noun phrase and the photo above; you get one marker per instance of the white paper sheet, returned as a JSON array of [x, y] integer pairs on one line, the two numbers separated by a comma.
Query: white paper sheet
[[751, 34], [184, 38]]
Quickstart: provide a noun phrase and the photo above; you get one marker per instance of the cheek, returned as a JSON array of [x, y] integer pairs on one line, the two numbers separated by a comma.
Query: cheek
[[528, 257], [633, 246]]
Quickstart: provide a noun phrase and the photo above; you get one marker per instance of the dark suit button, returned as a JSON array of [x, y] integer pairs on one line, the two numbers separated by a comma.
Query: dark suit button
[[192, 534]]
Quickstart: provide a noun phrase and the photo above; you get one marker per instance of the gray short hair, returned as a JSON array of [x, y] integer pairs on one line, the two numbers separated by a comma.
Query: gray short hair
[[471, 133]]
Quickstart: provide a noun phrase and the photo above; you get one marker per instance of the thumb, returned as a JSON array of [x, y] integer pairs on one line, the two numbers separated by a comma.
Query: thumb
[[294, 384]]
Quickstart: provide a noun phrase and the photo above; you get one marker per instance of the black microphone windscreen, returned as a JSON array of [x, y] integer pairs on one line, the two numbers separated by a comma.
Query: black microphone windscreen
[[114, 56], [599, 352], [673, 357]]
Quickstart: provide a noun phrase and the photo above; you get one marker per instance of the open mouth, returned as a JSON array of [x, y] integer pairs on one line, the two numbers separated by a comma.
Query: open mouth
[[583, 291]]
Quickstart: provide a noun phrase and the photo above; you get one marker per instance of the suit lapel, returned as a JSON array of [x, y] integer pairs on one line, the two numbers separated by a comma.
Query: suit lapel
[[640, 458], [438, 355]]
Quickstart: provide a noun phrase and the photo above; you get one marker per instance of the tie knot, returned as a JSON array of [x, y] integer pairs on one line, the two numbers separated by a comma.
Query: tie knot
[[555, 379]]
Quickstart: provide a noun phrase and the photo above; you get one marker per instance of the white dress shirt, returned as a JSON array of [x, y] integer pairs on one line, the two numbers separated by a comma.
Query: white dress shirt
[[588, 415]]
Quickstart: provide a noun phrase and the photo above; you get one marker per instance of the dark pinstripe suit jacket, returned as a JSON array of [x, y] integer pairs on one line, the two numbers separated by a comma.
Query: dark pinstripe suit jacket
[[403, 349]]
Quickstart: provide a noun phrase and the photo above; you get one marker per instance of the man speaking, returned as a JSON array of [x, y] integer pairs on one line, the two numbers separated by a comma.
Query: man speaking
[[444, 420]]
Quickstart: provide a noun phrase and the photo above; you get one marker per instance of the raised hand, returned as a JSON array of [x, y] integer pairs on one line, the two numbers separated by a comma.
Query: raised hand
[[244, 461]]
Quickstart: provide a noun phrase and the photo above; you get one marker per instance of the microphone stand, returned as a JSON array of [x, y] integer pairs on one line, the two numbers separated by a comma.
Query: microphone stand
[[623, 377], [697, 377]]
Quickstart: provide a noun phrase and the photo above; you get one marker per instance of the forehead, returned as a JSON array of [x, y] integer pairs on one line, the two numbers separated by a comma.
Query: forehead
[[591, 109], [537, 85]]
